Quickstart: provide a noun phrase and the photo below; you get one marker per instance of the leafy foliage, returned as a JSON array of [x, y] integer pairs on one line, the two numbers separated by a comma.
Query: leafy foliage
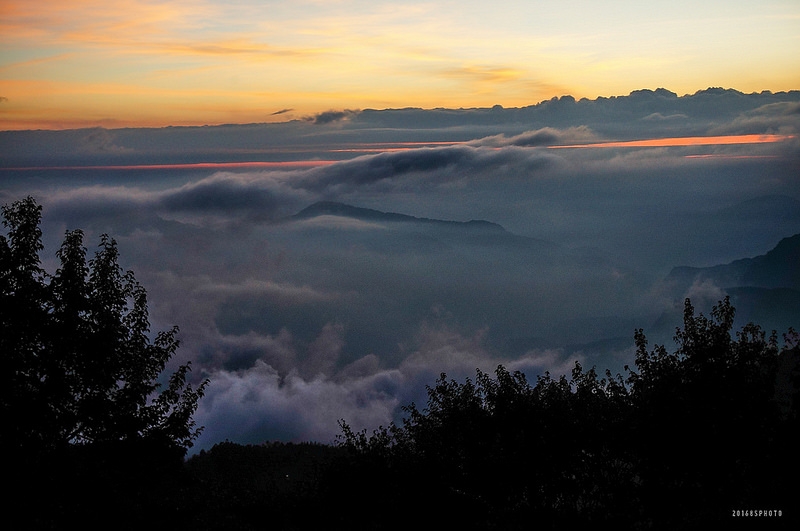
[[710, 430], [684, 438], [79, 364]]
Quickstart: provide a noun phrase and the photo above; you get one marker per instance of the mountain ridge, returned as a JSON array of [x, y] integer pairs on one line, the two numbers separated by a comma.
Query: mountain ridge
[[777, 268], [334, 208], [764, 289]]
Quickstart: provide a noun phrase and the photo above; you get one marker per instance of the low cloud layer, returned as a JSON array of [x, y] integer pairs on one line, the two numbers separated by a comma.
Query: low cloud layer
[[328, 117], [301, 321], [546, 136]]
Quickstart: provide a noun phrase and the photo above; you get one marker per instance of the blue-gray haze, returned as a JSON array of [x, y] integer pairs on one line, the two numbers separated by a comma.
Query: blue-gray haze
[[303, 316]]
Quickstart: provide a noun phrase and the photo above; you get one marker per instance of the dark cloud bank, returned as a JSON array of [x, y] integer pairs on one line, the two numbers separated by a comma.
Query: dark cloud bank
[[339, 291]]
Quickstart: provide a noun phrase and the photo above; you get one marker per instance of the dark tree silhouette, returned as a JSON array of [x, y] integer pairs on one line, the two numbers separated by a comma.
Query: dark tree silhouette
[[79, 365], [711, 429], [688, 437], [90, 436], [506, 453]]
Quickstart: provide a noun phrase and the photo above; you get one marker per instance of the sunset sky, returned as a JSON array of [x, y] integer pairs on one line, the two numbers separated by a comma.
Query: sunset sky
[[188, 62], [362, 217]]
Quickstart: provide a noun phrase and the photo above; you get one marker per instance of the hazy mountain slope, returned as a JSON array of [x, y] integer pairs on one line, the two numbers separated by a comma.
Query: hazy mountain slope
[[385, 273], [764, 289], [778, 268], [332, 208]]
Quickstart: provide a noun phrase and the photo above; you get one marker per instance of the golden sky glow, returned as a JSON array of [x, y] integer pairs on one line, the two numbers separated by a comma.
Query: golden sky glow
[[154, 62]]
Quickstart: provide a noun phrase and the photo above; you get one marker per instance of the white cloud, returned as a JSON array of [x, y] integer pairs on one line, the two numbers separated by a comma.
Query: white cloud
[[302, 322], [260, 403]]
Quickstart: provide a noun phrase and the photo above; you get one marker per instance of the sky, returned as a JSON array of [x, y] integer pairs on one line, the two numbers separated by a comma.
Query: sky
[[555, 162], [128, 63]]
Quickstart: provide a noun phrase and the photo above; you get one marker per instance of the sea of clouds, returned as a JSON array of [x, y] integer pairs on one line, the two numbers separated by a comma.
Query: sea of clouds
[[300, 321]]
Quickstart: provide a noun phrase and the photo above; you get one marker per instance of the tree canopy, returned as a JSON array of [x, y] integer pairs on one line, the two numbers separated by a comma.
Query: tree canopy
[[80, 366], [685, 438]]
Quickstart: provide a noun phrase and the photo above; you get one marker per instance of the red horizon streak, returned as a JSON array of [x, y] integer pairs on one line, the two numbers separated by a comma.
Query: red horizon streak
[[190, 165], [685, 141], [401, 146]]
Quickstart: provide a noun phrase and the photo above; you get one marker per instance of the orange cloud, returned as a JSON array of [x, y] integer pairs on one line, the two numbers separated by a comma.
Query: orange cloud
[[310, 56]]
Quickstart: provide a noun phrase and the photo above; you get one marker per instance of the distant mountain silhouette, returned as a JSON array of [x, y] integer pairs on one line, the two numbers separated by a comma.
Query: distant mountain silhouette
[[764, 289], [503, 268], [332, 208], [418, 234], [778, 268]]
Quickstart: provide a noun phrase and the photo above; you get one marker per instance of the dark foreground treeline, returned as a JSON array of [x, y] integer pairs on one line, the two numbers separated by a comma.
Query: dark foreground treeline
[[684, 441], [688, 439], [705, 435]]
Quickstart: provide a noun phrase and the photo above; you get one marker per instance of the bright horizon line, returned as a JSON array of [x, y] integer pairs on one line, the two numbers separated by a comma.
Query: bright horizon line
[[154, 63], [309, 117], [720, 140]]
